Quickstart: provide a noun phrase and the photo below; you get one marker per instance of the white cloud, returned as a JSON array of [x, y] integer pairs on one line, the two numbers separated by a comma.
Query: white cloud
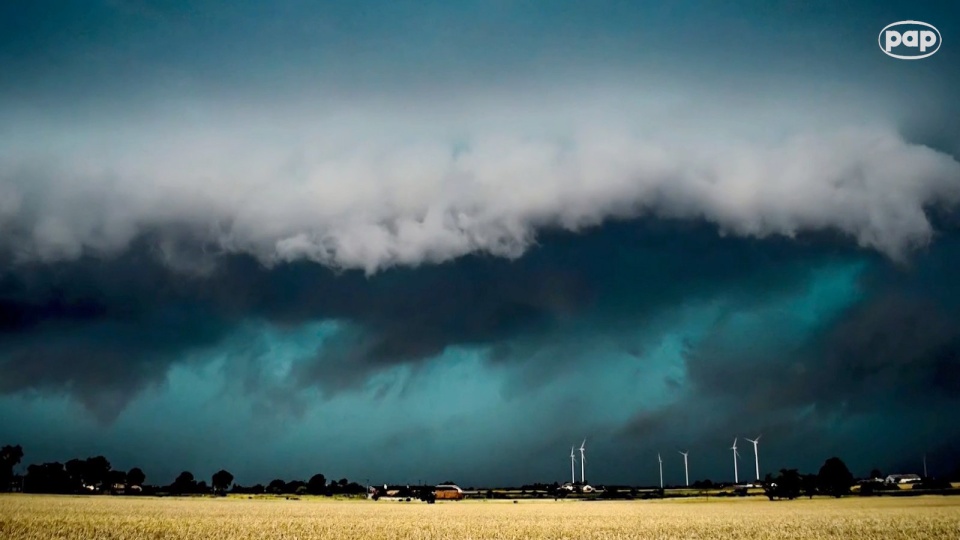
[[393, 184]]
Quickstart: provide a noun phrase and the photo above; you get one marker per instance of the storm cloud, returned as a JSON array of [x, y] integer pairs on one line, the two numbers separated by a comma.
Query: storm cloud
[[347, 198], [319, 224], [114, 325]]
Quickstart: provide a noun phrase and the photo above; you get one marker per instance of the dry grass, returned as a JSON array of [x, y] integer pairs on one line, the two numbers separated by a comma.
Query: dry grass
[[36, 517]]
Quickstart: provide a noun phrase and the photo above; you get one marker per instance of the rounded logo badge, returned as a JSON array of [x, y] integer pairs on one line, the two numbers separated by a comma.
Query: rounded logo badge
[[909, 40]]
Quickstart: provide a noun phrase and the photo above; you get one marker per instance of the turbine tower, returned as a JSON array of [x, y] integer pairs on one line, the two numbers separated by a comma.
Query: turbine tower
[[736, 472], [756, 455], [583, 460], [686, 470], [661, 469], [573, 465]]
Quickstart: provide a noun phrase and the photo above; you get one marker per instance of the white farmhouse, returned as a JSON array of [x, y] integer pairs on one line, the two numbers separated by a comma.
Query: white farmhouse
[[902, 479]]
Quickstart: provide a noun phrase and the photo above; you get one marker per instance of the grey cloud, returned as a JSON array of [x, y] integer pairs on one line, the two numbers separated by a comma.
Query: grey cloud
[[887, 367], [891, 347], [113, 327], [382, 204]]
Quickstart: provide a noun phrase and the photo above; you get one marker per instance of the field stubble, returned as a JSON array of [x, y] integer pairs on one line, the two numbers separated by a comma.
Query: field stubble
[[35, 517]]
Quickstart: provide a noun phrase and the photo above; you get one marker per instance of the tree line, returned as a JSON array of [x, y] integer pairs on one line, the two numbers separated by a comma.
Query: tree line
[[95, 475], [836, 480]]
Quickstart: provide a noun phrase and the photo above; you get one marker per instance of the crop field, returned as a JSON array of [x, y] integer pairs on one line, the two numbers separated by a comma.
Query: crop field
[[42, 517]]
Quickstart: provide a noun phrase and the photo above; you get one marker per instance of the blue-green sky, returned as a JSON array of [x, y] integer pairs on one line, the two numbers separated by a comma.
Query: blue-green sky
[[405, 241]]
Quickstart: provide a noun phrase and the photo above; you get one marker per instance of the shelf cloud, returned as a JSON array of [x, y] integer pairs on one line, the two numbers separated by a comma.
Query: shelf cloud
[[356, 192]]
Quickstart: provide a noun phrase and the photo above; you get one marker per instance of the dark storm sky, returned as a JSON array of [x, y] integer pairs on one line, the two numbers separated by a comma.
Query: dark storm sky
[[446, 240]]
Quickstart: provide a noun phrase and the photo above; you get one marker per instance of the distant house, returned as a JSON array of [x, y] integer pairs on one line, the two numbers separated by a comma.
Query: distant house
[[902, 479], [449, 492]]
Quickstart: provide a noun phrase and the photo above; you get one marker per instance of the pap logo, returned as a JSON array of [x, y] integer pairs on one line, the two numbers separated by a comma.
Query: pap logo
[[909, 40]]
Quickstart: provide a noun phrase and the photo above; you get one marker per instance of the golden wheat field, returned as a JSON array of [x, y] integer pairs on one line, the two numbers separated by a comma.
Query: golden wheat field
[[42, 517]]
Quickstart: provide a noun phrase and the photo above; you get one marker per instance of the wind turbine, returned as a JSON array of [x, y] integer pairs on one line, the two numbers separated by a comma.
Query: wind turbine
[[736, 472], [583, 461], [573, 464], [661, 469], [686, 470], [756, 455]]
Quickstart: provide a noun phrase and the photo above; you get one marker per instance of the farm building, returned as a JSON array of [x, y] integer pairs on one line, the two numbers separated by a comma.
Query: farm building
[[449, 492], [902, 479]]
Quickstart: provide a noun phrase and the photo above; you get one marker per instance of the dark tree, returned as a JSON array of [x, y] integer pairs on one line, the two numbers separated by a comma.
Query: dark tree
[[317, 485], [96, 472], [10, 456], [186, 477], [425, 493], [184, 483], [221, 481], [835, 478], [76, 471], [136, 477], [47, 478], [354, 488], [91, 474], [785, 486], [276, 486], [875, 473], [294, 486], [809, 484]]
